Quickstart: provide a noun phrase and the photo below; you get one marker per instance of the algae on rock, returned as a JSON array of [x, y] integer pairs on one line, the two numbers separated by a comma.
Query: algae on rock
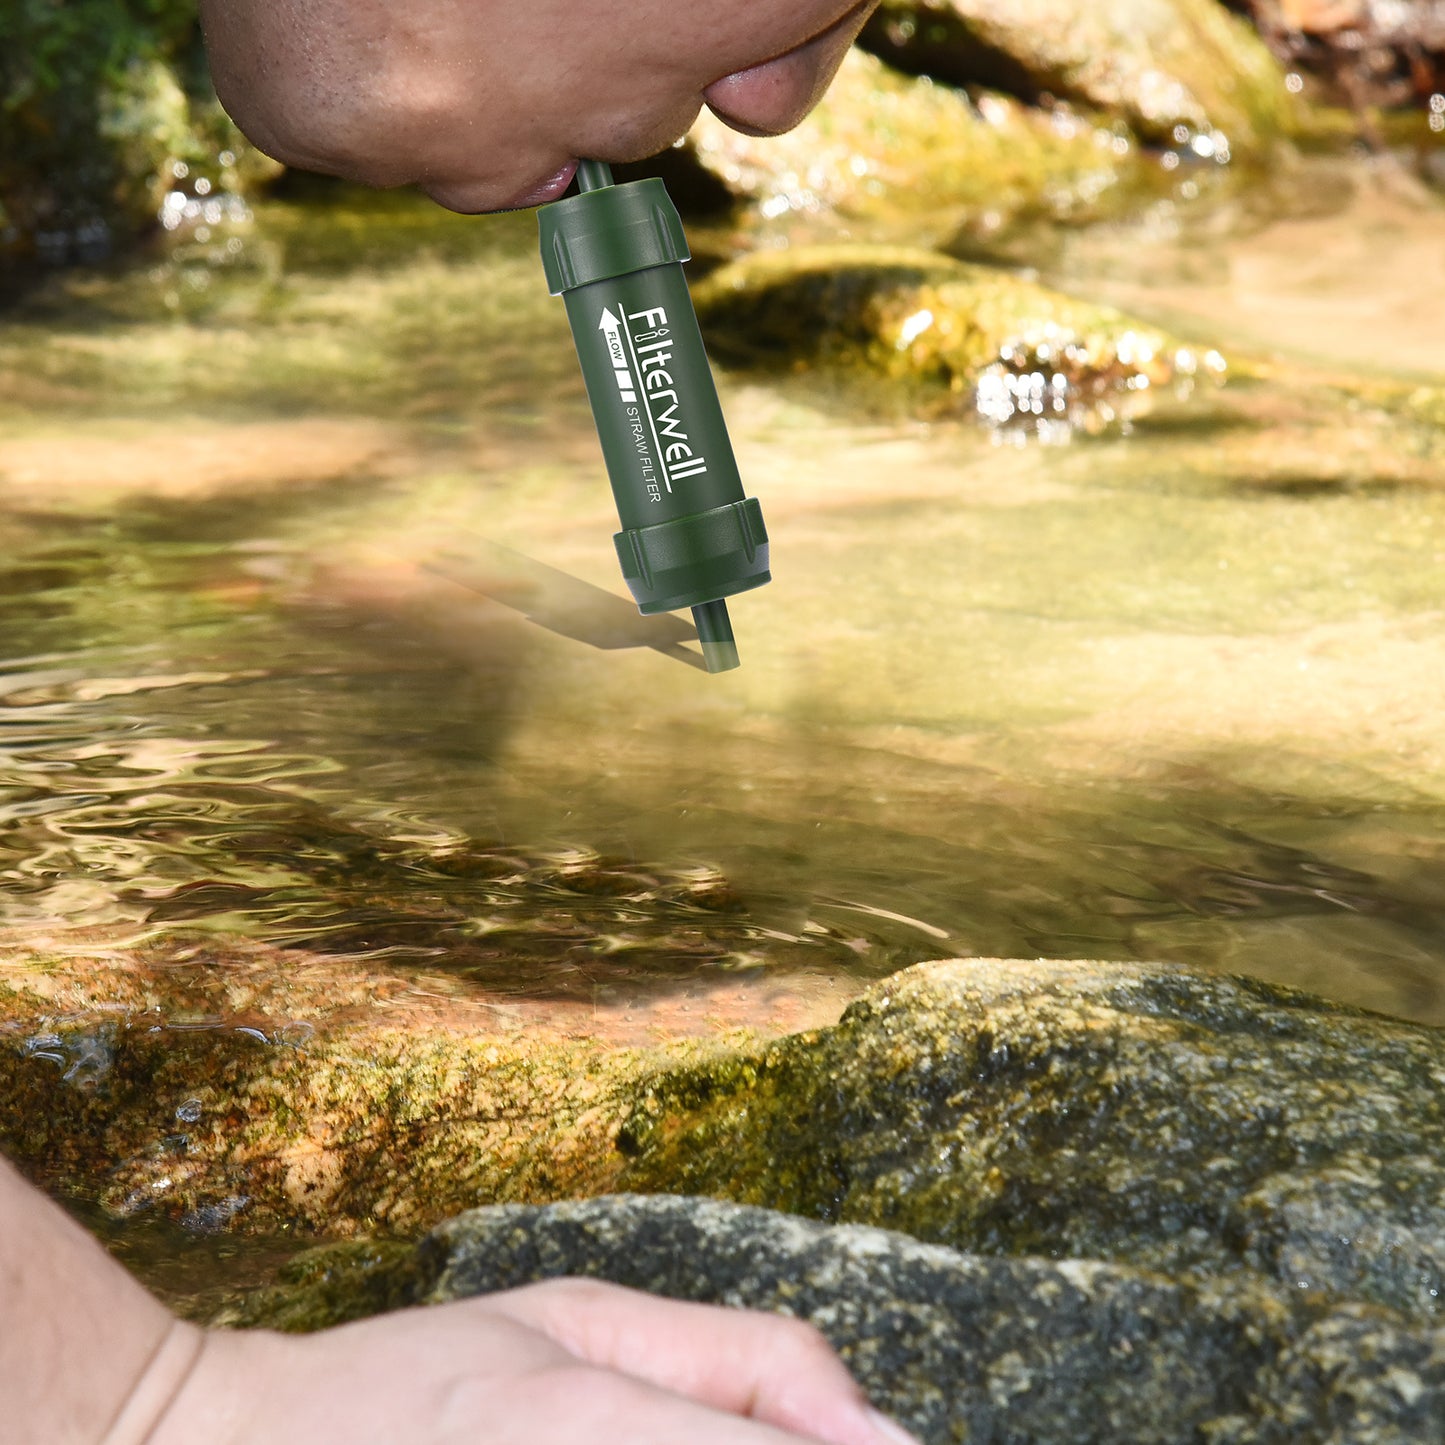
[[886, 157], [942, 335], [1193, 1124], [229, 1087], [324, 1136], [1162, 66]]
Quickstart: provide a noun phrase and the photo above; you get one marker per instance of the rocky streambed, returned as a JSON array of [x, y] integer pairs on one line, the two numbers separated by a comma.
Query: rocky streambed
[[1028, 1200]]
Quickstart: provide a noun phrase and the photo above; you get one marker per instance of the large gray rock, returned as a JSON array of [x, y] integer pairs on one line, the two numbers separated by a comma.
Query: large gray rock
[[965, 1348], [1124, 1203]]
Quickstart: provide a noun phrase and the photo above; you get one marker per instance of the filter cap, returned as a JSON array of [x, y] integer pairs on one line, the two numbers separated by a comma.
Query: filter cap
[[695, 559], [611, 232]]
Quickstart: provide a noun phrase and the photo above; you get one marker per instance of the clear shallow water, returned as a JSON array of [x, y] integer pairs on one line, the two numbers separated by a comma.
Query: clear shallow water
[[305, 641]]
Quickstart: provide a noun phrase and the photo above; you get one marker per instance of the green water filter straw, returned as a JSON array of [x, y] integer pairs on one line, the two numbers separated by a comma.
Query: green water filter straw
[[689, 537]]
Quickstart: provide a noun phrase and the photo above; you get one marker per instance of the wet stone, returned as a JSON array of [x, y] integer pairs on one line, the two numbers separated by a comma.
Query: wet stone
[[1179, 73], [959, 1347], [1196, 1125], [888, 157], [923, 333]]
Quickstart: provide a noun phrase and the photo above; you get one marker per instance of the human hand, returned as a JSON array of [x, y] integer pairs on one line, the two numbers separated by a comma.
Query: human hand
[[551, 1364], [489, 105]]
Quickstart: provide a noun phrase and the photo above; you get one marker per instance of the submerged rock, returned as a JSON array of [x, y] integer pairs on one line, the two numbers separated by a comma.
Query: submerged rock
[[237, 1087], [246, 1088], [943, 335], [1180, 73]]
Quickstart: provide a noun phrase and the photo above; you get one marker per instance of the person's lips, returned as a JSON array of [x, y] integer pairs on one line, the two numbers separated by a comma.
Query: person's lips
[[479, 198], [549, 190]]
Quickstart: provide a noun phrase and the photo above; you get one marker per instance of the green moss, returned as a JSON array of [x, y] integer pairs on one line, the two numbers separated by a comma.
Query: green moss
[[929, 328], [334, 1138], [1163, 1118], [888, 158], [101, 101], [327, 1286]]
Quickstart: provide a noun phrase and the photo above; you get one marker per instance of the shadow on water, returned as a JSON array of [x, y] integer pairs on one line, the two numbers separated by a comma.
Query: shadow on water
[[226, 801], [212, 732], [562, 603]]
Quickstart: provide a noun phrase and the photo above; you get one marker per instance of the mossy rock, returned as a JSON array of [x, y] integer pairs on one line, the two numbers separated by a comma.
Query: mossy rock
[[924, 333], [242, 1088], [1196, 1125], [887, 157], [1157, 65], [1164, 1119], [234, 1126], [1119, 1202]]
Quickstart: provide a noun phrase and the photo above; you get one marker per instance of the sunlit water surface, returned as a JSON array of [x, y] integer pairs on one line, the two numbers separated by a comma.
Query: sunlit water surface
[[305, 636]]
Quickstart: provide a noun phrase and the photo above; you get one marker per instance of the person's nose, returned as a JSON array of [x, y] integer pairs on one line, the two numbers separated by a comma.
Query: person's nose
[[772, 97]]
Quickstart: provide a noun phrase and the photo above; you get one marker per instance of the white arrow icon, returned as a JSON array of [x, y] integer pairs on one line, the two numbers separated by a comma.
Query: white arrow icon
[[611, 328]]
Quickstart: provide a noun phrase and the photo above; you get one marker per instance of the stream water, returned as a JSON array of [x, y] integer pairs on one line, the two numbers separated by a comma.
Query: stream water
[[309, 589], [312, 635]]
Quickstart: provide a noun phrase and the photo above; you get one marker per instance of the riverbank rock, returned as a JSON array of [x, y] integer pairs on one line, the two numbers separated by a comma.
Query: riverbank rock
[[226, 1124], [943, 336], [1201, 1127], [959, 1347], [1125, 1202], [232, 1087], [1180, 74], [888, 157]]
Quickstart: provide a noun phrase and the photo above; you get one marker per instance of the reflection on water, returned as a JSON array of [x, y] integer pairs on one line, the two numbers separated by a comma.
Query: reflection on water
[[186, 1263], [782, 859]]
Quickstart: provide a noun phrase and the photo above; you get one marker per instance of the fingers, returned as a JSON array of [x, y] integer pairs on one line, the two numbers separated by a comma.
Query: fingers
[[587, 1403], [515, 1369], [773, 1369]]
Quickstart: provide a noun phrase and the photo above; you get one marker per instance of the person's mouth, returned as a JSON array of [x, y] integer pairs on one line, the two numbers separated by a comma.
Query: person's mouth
[[549, 190]]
